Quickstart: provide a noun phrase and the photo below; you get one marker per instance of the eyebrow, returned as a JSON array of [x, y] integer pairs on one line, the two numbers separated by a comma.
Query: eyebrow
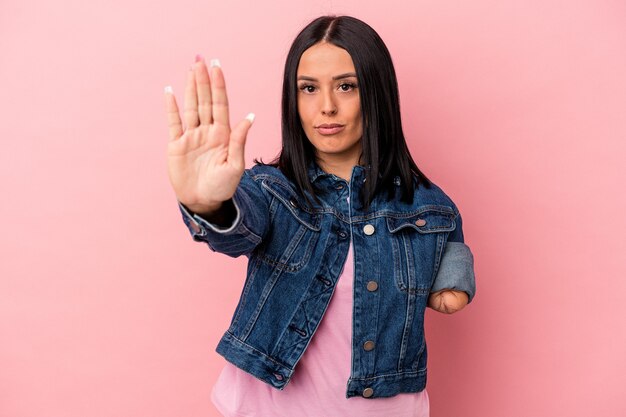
[[336, 77]]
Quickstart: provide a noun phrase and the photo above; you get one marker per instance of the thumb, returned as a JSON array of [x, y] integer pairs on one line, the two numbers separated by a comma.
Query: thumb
[[237, 142]]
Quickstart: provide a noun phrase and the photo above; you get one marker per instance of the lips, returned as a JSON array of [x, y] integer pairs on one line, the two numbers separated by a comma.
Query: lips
[[329, 128]]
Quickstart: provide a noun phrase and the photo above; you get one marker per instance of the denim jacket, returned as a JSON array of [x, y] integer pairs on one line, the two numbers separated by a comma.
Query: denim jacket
[[402, 252]]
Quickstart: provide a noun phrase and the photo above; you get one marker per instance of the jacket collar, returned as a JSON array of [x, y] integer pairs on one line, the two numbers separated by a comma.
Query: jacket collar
[[315, 172]]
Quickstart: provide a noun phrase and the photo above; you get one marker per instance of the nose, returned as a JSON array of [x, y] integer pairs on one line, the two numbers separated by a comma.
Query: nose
[[329, 107]]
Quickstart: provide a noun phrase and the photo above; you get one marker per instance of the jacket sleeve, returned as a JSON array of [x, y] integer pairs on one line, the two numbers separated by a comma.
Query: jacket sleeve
[[456, 270], [249, 227]]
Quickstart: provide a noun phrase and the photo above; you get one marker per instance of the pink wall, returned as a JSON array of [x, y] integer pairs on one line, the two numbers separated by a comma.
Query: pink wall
[[517, 109]]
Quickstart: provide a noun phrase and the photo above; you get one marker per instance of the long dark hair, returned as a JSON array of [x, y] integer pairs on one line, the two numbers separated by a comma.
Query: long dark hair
[[385, 151]]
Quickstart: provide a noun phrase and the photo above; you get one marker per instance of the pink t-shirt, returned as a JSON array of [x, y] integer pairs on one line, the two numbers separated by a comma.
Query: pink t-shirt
[[318, 385]]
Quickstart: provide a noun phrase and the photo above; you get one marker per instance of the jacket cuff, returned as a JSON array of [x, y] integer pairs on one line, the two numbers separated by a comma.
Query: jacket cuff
[[456, 271], [200, 227]]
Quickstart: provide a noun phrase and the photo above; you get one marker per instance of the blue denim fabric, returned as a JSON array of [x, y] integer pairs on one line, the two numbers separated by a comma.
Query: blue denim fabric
[[296, 254]]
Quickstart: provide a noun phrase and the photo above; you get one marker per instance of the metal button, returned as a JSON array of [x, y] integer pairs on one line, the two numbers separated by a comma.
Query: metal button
[[339, 187], [195, 227], [343, 235], [420, 222], [325, 280], [372, 285], [369, 345], [293, 203], [368, 392], [278, 376], [368, 229]]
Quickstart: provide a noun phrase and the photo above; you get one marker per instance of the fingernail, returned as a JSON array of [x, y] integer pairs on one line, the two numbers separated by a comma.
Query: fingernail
[[199, 58], [168, 89], [215, 63], [250, 117]]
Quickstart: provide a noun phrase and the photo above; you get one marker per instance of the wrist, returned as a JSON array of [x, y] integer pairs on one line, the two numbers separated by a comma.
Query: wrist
[[222, 214], [205, 210]]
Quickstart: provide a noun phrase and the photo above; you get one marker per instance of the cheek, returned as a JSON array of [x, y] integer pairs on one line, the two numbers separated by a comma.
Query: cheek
[[357, 117], [355, 107], [305, 121], [304, 110]]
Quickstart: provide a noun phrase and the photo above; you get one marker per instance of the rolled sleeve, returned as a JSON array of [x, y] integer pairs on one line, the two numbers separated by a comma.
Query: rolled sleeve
[[456, 271]]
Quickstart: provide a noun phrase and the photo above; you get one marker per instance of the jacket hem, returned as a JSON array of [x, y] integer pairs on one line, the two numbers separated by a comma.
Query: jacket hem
[[253, 361], [388, 385]]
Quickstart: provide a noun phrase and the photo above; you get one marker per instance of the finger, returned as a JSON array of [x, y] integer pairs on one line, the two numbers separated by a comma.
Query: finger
[[452, 301], [436, 302], [191, 101], [236, 146], [433, 301], [203, 85], [462, 298], [173, 116], [218, 94]]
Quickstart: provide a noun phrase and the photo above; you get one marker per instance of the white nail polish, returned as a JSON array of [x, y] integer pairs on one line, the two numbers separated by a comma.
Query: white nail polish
[[250, 117], [216, 63], [168, 89]]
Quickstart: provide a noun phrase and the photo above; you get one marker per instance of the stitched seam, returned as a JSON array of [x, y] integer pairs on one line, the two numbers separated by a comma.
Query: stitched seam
[[395, 374], [247, 346]]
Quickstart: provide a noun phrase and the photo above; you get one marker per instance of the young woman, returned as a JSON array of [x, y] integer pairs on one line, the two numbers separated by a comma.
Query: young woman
[[347, 240]]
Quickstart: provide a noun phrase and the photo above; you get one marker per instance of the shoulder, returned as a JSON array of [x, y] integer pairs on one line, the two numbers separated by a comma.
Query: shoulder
[[268, 178], [259, 172], [433, 194]]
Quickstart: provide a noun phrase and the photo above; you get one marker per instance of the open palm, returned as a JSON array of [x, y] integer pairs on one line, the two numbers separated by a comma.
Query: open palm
[[205, 157]]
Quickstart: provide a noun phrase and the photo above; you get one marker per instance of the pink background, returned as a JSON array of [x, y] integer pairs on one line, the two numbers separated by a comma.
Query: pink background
[[517, 109]]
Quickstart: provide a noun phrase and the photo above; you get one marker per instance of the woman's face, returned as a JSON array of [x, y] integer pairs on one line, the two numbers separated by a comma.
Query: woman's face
[[328, 103]]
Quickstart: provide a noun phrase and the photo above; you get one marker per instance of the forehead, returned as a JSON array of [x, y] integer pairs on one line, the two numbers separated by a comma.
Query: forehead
[[325, 59]]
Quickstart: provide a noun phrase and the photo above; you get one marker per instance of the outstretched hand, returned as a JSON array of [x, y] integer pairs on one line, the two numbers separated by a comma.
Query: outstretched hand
[[448, 301], [205, 157]]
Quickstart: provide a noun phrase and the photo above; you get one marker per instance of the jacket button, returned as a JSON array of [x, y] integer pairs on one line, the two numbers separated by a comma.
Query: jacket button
[[293, 203], [369, 345], [339, 187], [372, 285], [195, 227], [420, 222], [368, 392], [368, 229]]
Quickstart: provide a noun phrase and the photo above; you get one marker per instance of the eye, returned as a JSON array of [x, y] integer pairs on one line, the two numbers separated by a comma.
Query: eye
[[347, 86], [307, 88]]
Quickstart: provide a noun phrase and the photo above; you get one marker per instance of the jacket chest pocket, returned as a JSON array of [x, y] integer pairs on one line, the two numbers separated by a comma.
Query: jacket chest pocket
[[417, 242], [295, 231]]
